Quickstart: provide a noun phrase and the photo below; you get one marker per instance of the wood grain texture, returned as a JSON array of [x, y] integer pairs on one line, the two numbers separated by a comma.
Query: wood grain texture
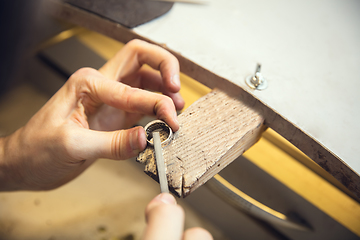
[[213, 132], [307, 144]]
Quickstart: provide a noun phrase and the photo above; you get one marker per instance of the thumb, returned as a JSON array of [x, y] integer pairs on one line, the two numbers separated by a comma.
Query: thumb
[[121, 144], [165, 219]]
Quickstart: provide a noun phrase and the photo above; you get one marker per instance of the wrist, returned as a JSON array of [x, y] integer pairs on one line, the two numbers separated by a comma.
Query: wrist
[[10, 177]]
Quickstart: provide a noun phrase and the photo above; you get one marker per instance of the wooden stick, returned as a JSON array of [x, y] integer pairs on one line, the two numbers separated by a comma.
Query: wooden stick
[[160, 163]]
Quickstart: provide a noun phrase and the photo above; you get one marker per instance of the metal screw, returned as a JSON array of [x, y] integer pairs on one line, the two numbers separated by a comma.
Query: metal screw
[[256, 81]]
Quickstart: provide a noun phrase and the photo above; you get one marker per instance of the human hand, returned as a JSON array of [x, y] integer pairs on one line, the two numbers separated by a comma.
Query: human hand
[[128, 66], [67, 134], [165, 221]]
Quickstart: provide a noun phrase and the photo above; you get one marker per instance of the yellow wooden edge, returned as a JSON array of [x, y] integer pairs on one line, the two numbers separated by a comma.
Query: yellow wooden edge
[[66, 34], [306, 183], [191, 90], [104, 46], [295, 153], [249, 199], [267, 156]]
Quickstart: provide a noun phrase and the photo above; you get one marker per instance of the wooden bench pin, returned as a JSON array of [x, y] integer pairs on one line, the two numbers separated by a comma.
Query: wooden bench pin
[[213, 132]]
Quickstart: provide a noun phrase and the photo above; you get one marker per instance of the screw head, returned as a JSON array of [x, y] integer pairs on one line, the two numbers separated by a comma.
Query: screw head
[[256, 81], [260, 84]]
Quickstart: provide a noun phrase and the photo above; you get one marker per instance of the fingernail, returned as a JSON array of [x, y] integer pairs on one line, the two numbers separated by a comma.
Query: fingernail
[[141, 138], [175, 118], [166, 198], [134, 140], [175, 80], [178, 101]]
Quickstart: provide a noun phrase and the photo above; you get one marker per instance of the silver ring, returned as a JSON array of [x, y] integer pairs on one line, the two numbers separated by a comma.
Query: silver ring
[[166, 133]]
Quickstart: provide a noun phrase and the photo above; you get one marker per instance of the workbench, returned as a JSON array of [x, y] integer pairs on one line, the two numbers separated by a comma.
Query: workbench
[[306, 51]]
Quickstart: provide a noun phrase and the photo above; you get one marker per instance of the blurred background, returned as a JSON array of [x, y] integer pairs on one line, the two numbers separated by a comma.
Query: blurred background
[[39, 53]]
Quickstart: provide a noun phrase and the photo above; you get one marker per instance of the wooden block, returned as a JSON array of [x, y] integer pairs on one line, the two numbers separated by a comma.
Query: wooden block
[[213, 132]]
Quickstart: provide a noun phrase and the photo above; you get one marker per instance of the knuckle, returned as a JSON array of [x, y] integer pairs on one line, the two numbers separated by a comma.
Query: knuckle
[[84, 71], [80, 75], [83, 79], [167, 99], [135, 43], [117, 145], [162, 105]]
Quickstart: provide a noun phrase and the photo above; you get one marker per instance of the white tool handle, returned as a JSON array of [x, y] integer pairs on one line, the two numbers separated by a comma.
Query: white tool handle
[[160, 163]]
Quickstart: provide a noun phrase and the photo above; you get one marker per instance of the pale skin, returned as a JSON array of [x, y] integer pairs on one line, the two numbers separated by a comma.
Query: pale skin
[[90, 118]]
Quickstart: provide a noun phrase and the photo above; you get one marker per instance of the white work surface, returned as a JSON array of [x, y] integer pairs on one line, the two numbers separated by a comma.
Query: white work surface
[[309, 51]]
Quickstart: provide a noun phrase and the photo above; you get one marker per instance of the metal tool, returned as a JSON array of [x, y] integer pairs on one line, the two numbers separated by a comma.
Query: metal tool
[[160, 163], [153, 131]]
